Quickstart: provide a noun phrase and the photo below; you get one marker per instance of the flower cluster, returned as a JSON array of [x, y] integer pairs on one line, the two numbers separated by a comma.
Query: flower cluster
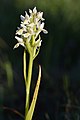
[[30, 28]]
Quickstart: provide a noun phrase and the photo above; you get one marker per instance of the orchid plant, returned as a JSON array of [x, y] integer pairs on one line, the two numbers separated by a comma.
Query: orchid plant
[[28, 36]]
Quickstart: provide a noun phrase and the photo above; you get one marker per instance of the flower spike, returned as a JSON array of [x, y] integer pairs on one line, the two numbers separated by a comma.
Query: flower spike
[[31, 25]]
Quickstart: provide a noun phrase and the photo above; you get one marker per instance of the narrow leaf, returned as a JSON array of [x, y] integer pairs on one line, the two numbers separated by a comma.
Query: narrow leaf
[[33, 103], [24, 66]]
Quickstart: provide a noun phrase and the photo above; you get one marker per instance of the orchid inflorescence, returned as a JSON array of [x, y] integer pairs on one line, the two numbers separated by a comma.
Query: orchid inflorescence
[[28, 34]]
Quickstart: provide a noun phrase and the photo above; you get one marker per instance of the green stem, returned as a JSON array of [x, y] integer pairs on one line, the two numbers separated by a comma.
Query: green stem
[[24, 66], [28, 83]]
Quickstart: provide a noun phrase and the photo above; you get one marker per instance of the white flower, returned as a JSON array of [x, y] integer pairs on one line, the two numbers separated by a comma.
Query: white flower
[[31, 25], [41, 28], [19, 32], [39, 15], [20, 42], [19, 39]]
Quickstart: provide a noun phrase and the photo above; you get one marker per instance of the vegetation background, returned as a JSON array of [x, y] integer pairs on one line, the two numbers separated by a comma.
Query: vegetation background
[[59, 95]]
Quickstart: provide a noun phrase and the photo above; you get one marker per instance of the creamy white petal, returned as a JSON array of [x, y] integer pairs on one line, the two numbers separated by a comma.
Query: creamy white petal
[[42, 25], [22, 17], [45, 31], [30, 11], [26, 15], [16, 46], [35, 10], [19, 32], [19, 39]]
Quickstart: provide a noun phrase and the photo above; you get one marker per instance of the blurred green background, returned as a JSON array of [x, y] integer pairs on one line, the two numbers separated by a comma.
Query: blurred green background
[[59, 95]]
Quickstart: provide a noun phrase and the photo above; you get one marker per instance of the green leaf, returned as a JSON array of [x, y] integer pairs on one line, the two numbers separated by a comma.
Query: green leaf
[[33, 103]]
